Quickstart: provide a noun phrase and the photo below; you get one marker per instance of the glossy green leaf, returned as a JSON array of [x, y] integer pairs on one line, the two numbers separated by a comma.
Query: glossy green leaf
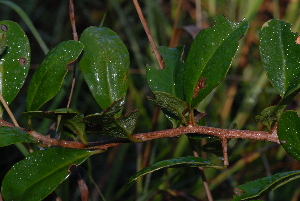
[[39, 174], [103, 124], [210, 57], [259, 187], [104, 65], [14, 60], [106, 124], [280, 56], [2, 42], [169, 79], [289, 133], [64, 116], [172, 106], [188, 161], [48, 78], [12, 135]]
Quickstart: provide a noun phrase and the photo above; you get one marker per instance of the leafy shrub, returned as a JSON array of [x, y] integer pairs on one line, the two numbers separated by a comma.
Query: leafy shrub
[[178, 88]]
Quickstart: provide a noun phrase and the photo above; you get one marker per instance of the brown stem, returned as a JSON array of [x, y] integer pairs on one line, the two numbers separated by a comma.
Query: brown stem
[[223, 134], [174, 132], [72, 19], [224, 149], [205, 183], [75, 37], [150, 38], [11, 115]]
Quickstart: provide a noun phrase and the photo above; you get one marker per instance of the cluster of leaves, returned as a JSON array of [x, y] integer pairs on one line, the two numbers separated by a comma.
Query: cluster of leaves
[[177, 89]]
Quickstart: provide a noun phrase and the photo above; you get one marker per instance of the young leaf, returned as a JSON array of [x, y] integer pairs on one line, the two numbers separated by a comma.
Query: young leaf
[[102, 124], [280, 56], [68, 118], [169, 79], [12, 135], [104, 65], [106, 124], [48, 78], [210, 57], [39, 174], [259, 187], [289, 133], [172, 106], [188, 161], [14, 60]]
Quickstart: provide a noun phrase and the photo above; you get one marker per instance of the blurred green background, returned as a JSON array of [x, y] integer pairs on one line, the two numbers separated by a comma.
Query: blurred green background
[[243, 94]]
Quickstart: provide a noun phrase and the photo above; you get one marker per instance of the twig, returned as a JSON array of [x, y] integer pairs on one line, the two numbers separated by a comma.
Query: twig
[[11, 115], [223, 134], [75, 37], [205, 183], [150, 38], [72, 19]]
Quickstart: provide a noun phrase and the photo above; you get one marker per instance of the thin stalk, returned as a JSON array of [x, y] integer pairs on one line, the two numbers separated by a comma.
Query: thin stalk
[[75, 37], [23, 149], [150, 38], [139, 181], [205, 183], [11, 115]]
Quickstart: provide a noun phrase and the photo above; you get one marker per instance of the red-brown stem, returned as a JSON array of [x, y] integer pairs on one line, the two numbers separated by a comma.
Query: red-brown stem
[[72, 19], [150, 38], [75, 37], [201, 169], [224, 134]]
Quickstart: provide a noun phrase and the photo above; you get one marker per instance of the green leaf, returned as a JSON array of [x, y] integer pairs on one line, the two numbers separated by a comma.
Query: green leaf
[[169, 79], [288, 132], [210, 57], [48, 78], [172, 106], [105, 123], [66, 117], [188, 161], [14, 60], [39, 174], [259, 187], [280, 56], [104, 65], [12, 135]]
